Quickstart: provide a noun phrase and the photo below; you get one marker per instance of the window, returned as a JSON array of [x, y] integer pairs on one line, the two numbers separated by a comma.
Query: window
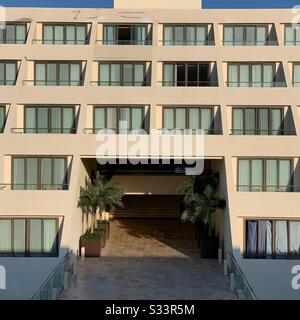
[[2, 118], [54, 119], [133, 118], [58, 74], [65, 34], [292, 35], [123, 74], [296, 75], [126, 35], [29, 237], [272, 239], [39, 173], [251, 35], [13, 34], [252, 75], [186, 74], [193, 118], [265, 175], [257, 121], [8, 73], [185, 35]]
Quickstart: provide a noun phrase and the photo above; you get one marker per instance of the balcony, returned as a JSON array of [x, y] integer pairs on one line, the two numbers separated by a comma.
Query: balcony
[[33, 187], [53, 83], [60, 42], [43, 130], [255, 84], [128, 42]]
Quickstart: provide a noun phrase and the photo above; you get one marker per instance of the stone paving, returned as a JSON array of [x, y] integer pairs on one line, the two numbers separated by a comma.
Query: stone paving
[[149, 259]]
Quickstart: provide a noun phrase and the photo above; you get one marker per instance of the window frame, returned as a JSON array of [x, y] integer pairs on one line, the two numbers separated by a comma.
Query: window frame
[[16, 41], [3, 108], [27, 253], [64, 186], [291, 186], [65, 25], [15, 62]]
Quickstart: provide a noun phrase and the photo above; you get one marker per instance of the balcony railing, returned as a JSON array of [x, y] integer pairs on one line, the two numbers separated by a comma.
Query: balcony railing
[[252, 84], [251, 43], [60, 42], [7, 82], [55, 283], [114, 131], [49, 83], [15, 41], [43, 130], [120, 83], [33, 187], [296, 84], [187, 43], [130, 42], [264, 188], [177, 83], [292, 43], [262, 132], [187, 131]]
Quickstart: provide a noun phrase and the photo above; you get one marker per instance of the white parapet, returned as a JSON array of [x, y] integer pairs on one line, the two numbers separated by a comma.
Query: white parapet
[[158, 4]]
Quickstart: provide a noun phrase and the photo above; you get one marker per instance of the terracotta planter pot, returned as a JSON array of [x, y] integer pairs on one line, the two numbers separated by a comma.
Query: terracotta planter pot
[[92, 247]]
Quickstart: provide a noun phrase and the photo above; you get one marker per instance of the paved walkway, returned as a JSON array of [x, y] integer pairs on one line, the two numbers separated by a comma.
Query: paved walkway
[[149, 259]]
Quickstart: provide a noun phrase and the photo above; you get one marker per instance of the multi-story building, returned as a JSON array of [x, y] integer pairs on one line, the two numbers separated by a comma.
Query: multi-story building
[[66, 73]]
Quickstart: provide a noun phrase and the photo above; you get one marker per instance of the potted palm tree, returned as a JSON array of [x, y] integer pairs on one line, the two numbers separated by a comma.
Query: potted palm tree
[[201, 202], [97, 196]]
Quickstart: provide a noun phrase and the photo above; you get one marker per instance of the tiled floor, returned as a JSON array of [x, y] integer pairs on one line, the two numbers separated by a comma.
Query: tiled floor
[[149, 259]]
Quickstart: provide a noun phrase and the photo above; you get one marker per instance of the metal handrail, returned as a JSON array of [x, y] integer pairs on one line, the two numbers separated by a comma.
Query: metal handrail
[[16, 41], [120, 83], [235, 268], [34, 186], [187, 42], [57, 83], [267, 188], [251, 43], [265, 132], [130, 42], [7, 82], [255, 84], [114, 131], [176, 83], [60, 42], [65, 260], [43, 130]]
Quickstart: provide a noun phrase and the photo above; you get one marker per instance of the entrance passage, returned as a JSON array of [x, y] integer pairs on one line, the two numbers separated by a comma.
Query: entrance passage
[[150, 206]]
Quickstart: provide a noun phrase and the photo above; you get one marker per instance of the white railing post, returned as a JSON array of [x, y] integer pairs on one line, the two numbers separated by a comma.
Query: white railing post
[[232, 284], [225, 268], [82, 253]]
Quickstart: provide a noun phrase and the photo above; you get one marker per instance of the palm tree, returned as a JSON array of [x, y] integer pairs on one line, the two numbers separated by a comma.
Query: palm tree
[[99, 195], [201, 207]]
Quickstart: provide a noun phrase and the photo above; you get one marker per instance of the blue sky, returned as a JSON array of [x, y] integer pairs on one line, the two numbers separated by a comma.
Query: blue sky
[[108, 3]]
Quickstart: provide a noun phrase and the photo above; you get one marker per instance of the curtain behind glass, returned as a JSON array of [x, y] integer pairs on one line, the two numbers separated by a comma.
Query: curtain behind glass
[[30, 120], [251, 238], [51, 74], [233, 76], [285, 175], [5, 236], [250, 121], [2, 118], [169, 118], [295, 237], [50, 236], [35, 236], [178, 36], [281, 238], [104, 74], [75, 74], [137, 118], [264, 246], [261, 36], [68, 120], [169, 80], [138, 74], [110, 35], [64, 79], [289, 36], [128, 74], [11, 72], [32, 173], [271, 175], [56, 120], [140, 35], [194, 118], [238, 122], [250, 36], [206, 120], [46, 173], [59, 173], [244, 175], [40, 74], [257, 175], [115, 75], [257, 75], [168, 36], [180, 118], [125, 117], [10, 34], [59, 34], [276, 124], [70, 35], [112, 118], [48, 35], [239, 36], [268, 75], [228, 36], [296, 79], [99, 119], [42, 120], [190, 36], [18, 174], [201, 36], [81, 35], [2, 74], [20, 34], [19, 237], [244, 75], [263, 125]]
